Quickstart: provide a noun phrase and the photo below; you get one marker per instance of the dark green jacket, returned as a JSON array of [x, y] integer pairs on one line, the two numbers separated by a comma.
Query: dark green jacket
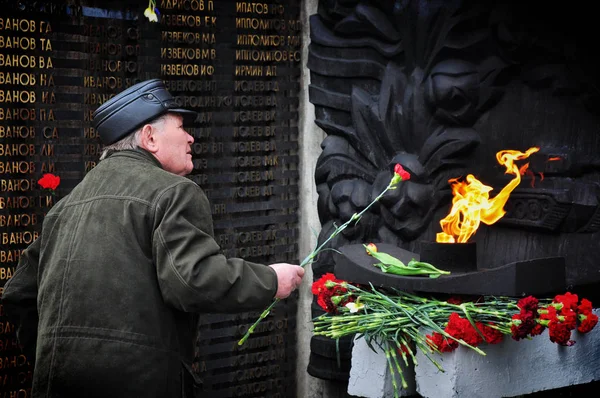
[[121, 265]]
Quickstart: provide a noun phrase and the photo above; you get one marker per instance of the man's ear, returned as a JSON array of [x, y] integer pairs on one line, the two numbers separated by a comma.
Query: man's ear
[[148, 138]]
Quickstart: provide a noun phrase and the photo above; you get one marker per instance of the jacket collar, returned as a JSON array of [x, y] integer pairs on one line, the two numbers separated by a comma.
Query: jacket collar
[[139, 153]]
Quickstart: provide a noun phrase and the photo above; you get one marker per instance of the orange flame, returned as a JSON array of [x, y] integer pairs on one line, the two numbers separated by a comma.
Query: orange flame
[[471, 204]]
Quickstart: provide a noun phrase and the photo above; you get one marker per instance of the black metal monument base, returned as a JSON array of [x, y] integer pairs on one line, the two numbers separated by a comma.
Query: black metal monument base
[[536, 276]]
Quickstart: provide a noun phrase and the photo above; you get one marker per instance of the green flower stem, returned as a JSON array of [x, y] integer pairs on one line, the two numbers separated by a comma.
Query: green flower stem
[[391, 368], [264, 314], [392, 350], [310, 258]]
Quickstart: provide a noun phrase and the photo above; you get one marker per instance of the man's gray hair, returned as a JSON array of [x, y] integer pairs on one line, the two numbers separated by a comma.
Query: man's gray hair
[[132, 140]]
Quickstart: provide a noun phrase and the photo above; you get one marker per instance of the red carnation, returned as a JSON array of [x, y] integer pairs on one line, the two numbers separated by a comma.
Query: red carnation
[[584, 307], [570, 319], [588, 321], [569, 300], [49, 181], [537, 329], [492, 336], [528, 303], [522, 325], [327, 287], [399, 170], [319, 285], [331, 299], [559, 333], [548, 313], [470, 335], [441, 342]]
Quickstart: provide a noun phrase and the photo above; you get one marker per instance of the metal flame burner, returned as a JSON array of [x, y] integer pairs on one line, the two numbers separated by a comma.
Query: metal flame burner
[[453, 257]]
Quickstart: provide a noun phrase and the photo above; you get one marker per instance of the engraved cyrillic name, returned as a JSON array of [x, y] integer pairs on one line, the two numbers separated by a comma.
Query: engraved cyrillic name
[[17, 96], [17, 167], [254, 131], [24, 25], [6, 272], [18, 42], [110, 82], [21, 132], [187, 70], [253, 161], [17, 114], [260, 23], [188, 53], [18, 78], [110, 31], [254, 100], [256, 85], [259, 357], [258, 372], [190, 21], [188, 37], [114, 66], [17, 149], [261, 342], [18, 220], [267, 55], [259, 387], [249, 7], [190, 85], [204, 101], [254, 146], [207, 147], [17, 238], [261, 40], [95, 98], [254, 116], [10, 256], [25, 61], [252, 192], [188, 5]]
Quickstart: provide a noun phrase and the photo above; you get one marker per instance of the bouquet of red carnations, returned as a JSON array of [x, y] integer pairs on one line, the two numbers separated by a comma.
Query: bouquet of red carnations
[[400, 322]]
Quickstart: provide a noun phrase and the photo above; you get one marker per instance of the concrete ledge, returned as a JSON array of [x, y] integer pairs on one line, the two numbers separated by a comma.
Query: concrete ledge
[[511, 368], [369, 374]]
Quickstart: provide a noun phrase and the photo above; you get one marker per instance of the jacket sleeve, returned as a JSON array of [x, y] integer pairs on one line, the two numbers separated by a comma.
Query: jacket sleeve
[[20, 298], [192, 274]]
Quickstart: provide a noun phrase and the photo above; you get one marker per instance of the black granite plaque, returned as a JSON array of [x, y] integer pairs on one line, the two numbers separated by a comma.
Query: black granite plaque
[[238, 64]]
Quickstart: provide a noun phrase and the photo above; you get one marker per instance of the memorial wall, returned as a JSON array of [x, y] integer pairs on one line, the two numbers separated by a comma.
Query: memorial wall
[[235, 62]]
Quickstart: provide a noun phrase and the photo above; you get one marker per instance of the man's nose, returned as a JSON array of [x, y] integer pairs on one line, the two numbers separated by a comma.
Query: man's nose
[[190, 138]]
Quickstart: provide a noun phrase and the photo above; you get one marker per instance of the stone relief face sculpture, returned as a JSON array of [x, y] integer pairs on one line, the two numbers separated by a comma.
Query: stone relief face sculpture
[[440, 87]]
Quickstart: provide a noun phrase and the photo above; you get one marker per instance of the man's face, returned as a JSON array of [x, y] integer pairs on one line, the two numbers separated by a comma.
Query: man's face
[[174, 145]]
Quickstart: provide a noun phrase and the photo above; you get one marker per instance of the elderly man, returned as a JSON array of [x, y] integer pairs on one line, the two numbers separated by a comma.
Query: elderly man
[[106, 296]]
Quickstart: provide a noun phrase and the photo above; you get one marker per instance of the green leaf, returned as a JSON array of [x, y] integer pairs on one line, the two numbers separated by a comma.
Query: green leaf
[[421, 264], [388, 259]]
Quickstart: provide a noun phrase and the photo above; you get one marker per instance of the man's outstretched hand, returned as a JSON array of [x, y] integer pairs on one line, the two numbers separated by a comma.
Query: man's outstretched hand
[[289, 278]]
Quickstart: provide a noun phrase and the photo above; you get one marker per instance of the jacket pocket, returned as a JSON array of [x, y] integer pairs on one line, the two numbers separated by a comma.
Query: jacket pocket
[[191, 384]]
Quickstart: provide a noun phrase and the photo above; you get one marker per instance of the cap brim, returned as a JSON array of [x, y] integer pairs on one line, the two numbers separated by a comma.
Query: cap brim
[[188, 115]]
